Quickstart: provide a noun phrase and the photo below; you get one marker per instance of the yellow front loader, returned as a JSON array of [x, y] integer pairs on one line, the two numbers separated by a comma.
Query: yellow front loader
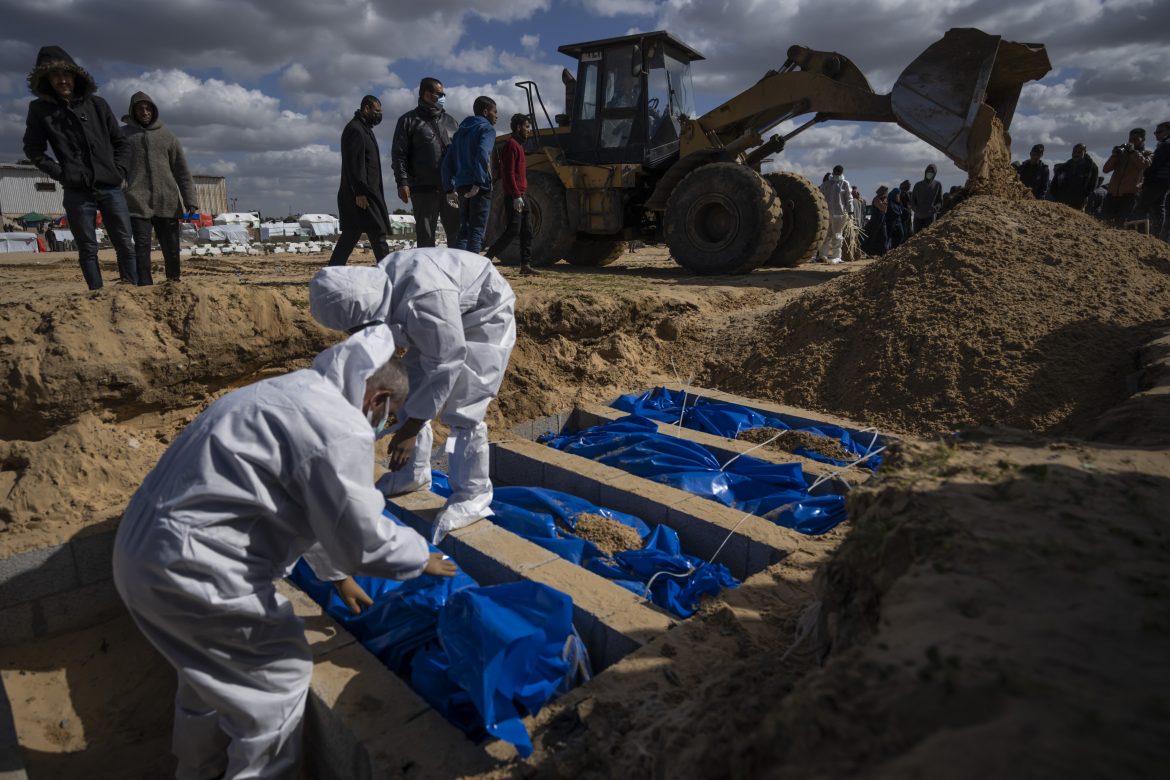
[[632, 159]]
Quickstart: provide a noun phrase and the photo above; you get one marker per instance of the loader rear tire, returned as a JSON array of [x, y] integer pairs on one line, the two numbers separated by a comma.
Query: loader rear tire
[[806, 219], [551, 235], [723, 218], [595, 252]]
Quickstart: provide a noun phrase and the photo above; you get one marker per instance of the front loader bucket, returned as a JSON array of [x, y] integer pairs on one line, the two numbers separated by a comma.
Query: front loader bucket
[[949, 96]]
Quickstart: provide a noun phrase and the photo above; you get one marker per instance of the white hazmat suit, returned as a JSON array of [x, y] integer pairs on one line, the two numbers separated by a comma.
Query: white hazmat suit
[[267, 473], [838, 195], [456, 313]]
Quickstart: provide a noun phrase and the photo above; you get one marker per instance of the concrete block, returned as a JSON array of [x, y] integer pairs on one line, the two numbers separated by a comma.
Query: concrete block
[[641, 497], [323, 632], [510, 465], [16, 624], [427, 747], [363, 692], [560, 477], [94, 556], [77, 609], [36, 573]]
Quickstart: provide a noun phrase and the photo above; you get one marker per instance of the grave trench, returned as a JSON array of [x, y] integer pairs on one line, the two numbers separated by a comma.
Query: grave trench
[[364, 721]]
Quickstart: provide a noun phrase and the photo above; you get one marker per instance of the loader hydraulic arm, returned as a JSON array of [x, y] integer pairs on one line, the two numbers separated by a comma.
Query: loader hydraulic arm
[[810, 81]]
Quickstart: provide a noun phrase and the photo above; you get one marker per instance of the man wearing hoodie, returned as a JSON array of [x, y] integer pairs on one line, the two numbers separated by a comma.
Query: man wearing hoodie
[[926, 199], [455, 314], [514, 180], [1034, 172], [91, 157], [467, 171], [361, 202], [268, 473], [159, 187], [1073, 180], [420, 139]]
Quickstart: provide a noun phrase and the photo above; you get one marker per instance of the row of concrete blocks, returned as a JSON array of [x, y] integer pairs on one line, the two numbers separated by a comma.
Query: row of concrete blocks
[[408, 737]]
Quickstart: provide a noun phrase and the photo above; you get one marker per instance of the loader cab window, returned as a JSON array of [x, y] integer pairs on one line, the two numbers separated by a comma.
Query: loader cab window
[[588, 92], [668, 96], [621, 97]]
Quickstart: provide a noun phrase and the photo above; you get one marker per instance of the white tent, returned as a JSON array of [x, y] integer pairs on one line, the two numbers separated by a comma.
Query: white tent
[[18, 242], [237, 218], [320, 224], [281, 229], [237, 234]]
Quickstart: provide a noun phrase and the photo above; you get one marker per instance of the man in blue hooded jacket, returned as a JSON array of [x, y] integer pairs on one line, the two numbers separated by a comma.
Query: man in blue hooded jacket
[[467, 171]]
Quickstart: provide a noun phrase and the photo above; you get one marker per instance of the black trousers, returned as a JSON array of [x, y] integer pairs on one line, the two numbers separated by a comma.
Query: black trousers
[[430, 206], [348, 240], [1152, 206], [168, 231], [1117, 209], [518, 224]]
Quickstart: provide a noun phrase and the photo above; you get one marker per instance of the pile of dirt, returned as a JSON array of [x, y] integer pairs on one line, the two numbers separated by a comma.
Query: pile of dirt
[[135, 349], [610, 536], [791, 441], [1017, 312]]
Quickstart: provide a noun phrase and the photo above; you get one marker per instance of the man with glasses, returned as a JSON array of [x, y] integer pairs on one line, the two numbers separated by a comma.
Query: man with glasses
[[420, 138]]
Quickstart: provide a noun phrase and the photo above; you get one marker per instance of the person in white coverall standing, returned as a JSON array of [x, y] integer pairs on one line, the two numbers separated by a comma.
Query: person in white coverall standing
[[838, 194], [266, 474], [456, 314]]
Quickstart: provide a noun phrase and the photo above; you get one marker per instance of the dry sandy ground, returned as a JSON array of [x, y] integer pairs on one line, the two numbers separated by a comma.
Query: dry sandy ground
[[997, 608]]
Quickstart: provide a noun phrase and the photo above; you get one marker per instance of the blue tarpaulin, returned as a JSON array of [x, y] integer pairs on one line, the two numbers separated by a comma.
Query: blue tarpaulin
[[482, 656], [720, 418], [775, 491], [547, 517]]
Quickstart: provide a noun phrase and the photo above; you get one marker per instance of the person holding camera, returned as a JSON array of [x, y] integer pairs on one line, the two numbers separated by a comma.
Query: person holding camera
[[1127, 163]]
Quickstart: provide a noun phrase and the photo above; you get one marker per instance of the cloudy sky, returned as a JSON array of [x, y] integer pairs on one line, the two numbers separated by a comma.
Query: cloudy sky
[[259, 91]]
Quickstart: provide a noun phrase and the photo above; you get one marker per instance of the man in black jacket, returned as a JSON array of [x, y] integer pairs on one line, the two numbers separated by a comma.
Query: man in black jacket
[[1034, 172], [92, 157], [420, 138], [1152, 203], [361, 203], [1073, 181]]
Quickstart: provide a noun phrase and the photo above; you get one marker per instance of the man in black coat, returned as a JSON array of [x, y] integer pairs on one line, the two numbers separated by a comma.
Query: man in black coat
[[92, 158], [420, 139], [361, 203], [1074, 180], [1034, 172]]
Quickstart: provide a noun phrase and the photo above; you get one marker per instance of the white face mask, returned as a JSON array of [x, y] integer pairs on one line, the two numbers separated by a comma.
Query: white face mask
[[838, 176], [441, 101], [380, 426]]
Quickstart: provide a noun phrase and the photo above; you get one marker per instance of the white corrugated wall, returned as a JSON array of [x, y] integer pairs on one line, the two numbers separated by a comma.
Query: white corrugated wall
[[19, 194]]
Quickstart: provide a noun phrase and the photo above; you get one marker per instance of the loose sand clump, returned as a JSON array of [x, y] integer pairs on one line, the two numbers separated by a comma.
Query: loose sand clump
[[1019, 312], [610, 536], [791, 441]]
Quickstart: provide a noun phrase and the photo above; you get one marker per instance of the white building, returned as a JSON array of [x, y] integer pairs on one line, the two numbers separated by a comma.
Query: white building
[[24, 189]]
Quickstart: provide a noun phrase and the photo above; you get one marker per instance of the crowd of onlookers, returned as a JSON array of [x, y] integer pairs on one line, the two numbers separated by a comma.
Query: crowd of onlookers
[[1135, 195]]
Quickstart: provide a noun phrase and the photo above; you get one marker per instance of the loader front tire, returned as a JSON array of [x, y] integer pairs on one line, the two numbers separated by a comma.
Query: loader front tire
[[551, 235], [806, 219], [723, 218]]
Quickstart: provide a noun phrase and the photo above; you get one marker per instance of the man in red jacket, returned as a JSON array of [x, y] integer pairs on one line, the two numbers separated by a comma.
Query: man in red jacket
[[514, 178]]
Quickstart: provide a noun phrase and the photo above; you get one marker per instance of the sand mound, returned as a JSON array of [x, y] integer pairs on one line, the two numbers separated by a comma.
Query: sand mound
[[135, 349], [791, 441], [610, 536], [1018, 312]]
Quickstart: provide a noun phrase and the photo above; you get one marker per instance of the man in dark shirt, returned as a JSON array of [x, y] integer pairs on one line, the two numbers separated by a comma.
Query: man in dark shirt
[[361, 203], [1155, 185], [421, 137], [1034, 172], [92, 158], [1075, 179]]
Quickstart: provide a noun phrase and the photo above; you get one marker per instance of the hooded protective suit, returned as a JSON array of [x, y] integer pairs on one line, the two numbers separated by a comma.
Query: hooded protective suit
[[456, 314], [267, 473]]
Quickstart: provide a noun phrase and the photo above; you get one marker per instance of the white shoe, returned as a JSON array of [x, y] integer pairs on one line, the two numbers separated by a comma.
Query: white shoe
[[836, 261]]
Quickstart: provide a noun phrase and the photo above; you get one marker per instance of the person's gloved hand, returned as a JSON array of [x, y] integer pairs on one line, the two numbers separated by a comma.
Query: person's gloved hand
[[471, 193], [518, 204], [353, 595], [440, 566]]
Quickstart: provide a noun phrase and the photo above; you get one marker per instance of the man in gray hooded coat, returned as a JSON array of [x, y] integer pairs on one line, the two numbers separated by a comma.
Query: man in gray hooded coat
[[159, 186]]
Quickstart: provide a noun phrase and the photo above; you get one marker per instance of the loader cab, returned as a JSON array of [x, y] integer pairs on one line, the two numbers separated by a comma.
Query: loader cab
[[628, 98]]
